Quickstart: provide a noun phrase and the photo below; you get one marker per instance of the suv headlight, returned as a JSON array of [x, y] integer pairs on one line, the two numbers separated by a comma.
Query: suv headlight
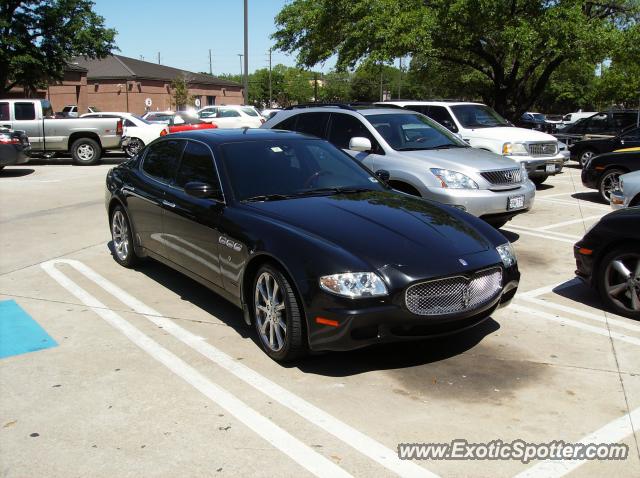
[[454, 179], [354, 284], [514, 149], [507, 254]]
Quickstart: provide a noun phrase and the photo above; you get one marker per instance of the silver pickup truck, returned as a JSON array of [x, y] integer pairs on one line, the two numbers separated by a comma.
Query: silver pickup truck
[[83, 138]]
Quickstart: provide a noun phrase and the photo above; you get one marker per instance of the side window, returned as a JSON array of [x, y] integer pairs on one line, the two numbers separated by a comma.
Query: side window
[[442, 116], [313, 123], [344, 127], [288, 124], [24, 111], [4, 111], [633, 135], [196, 165], [597, 123], [47, 110], [128, 123], [228, 113], [161, 160]]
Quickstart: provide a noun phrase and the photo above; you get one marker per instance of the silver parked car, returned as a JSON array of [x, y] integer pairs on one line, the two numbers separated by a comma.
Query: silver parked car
[[628, 194], [423, 158]]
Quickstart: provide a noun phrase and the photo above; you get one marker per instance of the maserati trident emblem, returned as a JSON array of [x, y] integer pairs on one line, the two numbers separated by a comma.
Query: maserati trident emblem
[[463, 262]]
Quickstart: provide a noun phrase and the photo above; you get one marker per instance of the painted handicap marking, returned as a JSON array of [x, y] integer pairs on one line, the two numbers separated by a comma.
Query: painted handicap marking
[[19, 333]]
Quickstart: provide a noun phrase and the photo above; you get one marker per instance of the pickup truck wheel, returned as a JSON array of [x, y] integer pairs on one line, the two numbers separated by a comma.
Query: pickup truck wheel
[[86, 151], [539, 180], [134, 147]]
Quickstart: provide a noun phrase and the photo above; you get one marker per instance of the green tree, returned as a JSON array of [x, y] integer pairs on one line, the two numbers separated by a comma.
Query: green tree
[[509, 48], [39, 37], [180, 97]]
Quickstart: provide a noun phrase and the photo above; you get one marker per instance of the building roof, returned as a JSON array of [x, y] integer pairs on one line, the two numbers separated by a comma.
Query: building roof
[[116, 67], [74, 67]]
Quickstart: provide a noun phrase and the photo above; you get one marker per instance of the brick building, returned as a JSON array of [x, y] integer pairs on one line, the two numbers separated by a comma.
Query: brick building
[[119, 83]]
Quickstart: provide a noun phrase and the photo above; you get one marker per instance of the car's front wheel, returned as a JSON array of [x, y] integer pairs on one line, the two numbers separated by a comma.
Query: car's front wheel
[[609, 182], [277, 315], [619, 281], [585, 156], [122, 238], [133, 147]]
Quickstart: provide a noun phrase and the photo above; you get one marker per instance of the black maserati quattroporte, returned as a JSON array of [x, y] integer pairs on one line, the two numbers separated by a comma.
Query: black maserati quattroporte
[[318, 252]]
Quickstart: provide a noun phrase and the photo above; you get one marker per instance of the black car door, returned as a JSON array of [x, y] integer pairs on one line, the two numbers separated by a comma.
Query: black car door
[[190, 230], [146, 192], [630, 139]]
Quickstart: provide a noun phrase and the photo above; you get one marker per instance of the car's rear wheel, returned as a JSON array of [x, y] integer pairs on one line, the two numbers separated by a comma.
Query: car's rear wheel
[[277, 316], [86, 151], [122, 237], [609, 182], [619, 281], [539, 180], [134, 147], [585, 156]]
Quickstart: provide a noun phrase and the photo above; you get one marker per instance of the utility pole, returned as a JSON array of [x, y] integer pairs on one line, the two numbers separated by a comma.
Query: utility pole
[[158, 58], [315, 87], [210, 63], [142, 57], [400, 80], [246, 52], [240, 55], [270, 90], [381, 88]]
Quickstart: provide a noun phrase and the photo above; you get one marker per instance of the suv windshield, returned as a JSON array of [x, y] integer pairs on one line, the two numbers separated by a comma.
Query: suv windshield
[[478, 116], [281, 169], [249, 110], [411, 132]]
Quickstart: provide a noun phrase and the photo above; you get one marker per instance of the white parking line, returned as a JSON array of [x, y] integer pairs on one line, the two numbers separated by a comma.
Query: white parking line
[[548, 288], [576, 203], [548, 234], [613, 432], [518, 230], [568, 223], [576, 324], [349, 435], [272, 433]]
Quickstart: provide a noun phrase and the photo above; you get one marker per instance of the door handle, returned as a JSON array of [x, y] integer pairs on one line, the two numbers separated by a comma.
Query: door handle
[[6, 126], [167, 203]]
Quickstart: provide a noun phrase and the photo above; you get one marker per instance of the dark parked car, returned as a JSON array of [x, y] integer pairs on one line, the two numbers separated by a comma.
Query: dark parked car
[[536, 121], [318, 252], [583, 151], [608, 123], [603, 172], [14, 147], [608, 259]]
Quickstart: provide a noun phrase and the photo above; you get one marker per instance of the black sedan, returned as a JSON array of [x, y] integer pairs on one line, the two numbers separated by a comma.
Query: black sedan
[[583, 151], [608, 259], [603, 172], [14, 147], [318, 252]]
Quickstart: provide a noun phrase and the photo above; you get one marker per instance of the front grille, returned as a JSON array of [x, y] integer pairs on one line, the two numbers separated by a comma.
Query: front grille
[[543, 149], [503, 176], [454, 294]]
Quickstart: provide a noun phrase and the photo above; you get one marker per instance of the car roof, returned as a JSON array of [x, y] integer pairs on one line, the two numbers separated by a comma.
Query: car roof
[[434, 103], [219, 136]]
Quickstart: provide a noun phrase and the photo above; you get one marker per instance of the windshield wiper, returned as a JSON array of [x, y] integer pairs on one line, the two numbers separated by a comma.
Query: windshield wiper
[[334, 190], [268, 197]]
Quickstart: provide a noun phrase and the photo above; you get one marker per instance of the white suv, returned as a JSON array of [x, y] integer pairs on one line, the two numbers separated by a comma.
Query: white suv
[[231, 116], [483, 128]]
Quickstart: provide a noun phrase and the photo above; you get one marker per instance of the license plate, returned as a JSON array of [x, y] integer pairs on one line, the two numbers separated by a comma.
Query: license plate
[[550, 168], [516, 202]]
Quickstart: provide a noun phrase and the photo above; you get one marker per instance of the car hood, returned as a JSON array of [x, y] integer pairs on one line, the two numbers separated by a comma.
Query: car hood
[[385, 229], [477, 159], [510, 133]]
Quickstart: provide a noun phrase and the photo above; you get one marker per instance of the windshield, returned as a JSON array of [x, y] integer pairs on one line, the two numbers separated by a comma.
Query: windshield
[[538, 116], [410, 132], [292, 167], [249, 110], [478, 116]]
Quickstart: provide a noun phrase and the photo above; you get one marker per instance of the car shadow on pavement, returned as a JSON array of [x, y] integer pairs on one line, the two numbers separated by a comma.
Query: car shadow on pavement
[[510, 235], [544, 187], [578, 291], [593, 197], [16, 172]]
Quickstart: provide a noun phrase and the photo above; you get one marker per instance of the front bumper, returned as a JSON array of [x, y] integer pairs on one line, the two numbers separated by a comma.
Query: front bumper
[[365, 322], [537, 167], [584, 262], [484, 202], [618, 200], [590, 177]]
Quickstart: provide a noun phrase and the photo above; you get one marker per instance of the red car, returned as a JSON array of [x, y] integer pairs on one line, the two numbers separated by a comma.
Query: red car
[[183, 122]]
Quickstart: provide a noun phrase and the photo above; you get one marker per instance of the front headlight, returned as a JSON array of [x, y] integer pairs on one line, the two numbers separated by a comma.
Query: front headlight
[[514, 149], [453, 179], [507, 254], [354, 284]]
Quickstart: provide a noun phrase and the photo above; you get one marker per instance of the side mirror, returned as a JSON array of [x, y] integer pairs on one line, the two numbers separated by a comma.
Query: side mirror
[[201, 190], [383, 175], [359, 143]]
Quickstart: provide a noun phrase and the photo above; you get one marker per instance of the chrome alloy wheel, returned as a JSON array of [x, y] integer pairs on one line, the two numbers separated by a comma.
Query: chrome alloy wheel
[[269, 310], [609, 183], [120, 235], [622, 281], [586, 156], [134, 147], [85, 152]]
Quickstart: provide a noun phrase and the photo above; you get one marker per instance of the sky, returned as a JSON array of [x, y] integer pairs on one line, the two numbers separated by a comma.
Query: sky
[[183, 31]]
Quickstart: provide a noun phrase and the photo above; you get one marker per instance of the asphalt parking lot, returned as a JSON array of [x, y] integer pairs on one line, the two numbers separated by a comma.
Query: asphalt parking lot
[[146, 373]]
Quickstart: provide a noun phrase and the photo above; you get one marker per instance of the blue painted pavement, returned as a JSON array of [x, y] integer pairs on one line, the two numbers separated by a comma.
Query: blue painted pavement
[[19, 333]]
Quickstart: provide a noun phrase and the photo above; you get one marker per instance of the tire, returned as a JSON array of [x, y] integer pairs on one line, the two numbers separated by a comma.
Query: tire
[[615, 289], [539, 180], [608, 182], [134, 147], [268, 306], [122, 238], [585, 155], [86, 151]]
